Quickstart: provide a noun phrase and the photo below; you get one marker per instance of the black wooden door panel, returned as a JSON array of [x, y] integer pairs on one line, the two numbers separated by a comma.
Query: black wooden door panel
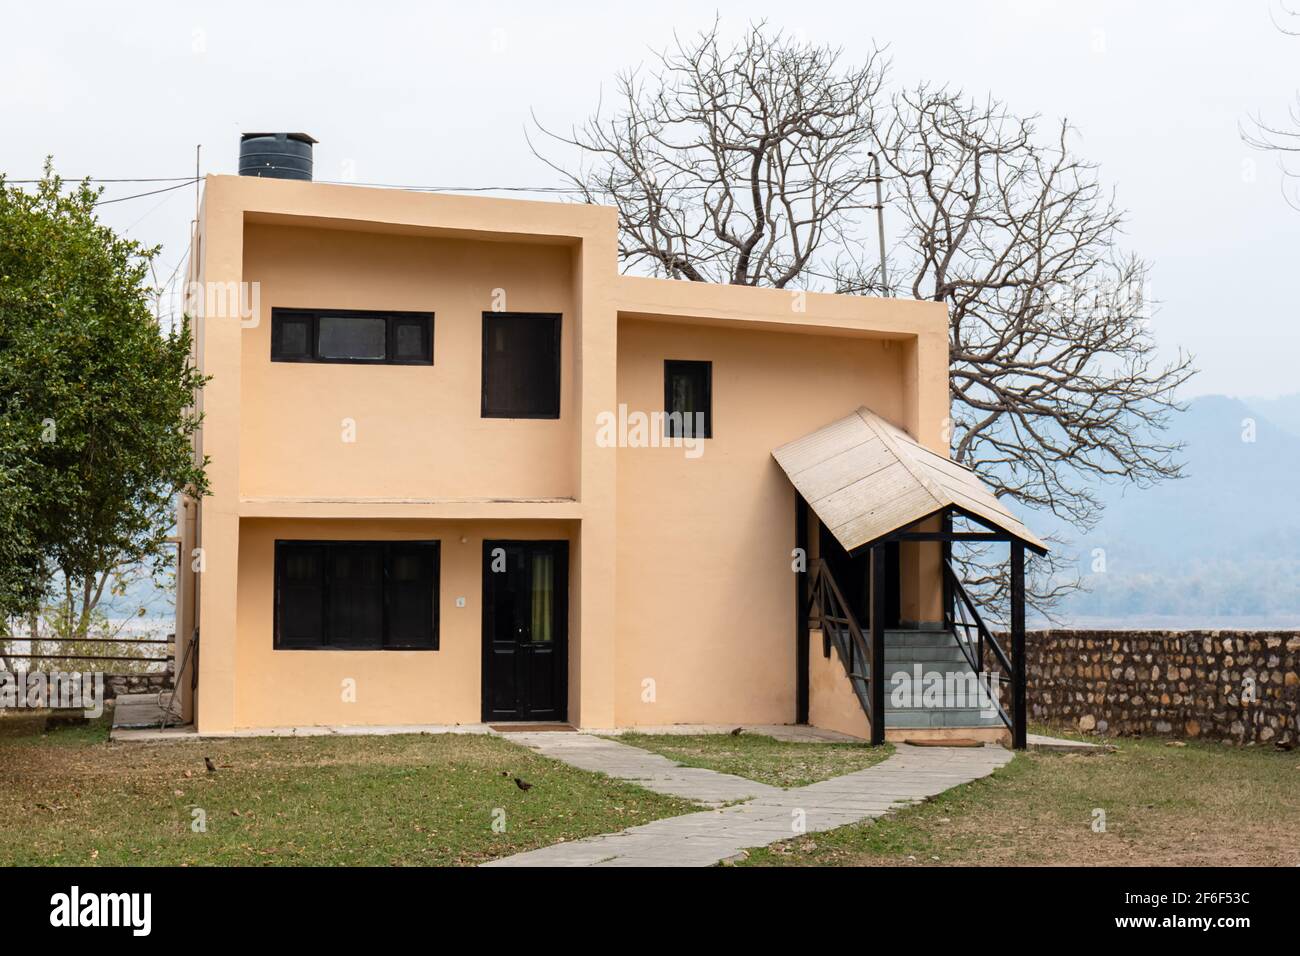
[[525, 617], [504, 696], [541, 672]]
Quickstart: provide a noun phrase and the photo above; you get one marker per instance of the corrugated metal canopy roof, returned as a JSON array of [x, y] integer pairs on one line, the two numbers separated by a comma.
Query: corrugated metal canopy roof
[[866, 479]]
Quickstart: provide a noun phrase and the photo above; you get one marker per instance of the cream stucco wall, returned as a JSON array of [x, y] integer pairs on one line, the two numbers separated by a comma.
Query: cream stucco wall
[[832, 704], [302, 687], [706, 589], [680, 570], [554, 250], [416, 429]]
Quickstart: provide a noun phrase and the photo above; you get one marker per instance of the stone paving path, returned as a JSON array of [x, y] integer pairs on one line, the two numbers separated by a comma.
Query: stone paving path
[[702, 839], [652, 771], [791, 733]]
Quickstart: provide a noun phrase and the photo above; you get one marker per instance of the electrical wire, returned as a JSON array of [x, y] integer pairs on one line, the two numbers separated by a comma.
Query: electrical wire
[[182, 182], [572, 190], [96, 179], [153, 192], [455, 189]]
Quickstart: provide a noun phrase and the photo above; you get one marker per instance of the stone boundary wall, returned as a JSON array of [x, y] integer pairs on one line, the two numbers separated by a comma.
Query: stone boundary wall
[[1240, 687], [115, 685]]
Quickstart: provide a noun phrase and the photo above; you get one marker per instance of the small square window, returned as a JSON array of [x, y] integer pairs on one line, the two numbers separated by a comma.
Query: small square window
[[291, 339], [688, 399], [411, 340], [521, 365]]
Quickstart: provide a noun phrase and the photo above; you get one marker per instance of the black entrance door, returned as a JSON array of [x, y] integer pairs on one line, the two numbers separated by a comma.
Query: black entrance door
[[525, 618]]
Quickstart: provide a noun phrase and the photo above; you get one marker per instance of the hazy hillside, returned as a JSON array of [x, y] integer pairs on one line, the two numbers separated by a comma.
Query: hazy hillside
[[1283, 412], [1220, 547]]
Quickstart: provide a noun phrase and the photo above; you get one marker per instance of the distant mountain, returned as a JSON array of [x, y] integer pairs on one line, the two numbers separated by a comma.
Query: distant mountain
[[1283, 412], [1219, 547]]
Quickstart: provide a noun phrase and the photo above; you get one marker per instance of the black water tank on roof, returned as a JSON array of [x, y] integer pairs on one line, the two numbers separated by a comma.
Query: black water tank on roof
[[276, 155]]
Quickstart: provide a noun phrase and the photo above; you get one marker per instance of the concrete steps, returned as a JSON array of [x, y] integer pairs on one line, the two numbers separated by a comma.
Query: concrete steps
[[918, 638], [947, 717], [938, 655], [936, 652], [909, 654]]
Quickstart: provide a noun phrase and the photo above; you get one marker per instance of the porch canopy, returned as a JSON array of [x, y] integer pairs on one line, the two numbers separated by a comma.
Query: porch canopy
[[869, 484], [867, 480]]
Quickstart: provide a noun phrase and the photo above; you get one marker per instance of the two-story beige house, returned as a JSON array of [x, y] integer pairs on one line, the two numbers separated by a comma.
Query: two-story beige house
[[462, 471]]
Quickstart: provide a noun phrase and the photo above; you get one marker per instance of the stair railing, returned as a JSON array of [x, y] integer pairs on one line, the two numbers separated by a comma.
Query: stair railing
[[961, 618], [830, 613]]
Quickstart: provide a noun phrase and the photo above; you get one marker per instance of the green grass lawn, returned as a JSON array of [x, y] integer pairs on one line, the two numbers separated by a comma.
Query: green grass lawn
[[1200, 804], [71, 797], [761, 758]]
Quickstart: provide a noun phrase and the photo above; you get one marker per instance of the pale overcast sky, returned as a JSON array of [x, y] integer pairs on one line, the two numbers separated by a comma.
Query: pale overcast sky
[[439, 94]]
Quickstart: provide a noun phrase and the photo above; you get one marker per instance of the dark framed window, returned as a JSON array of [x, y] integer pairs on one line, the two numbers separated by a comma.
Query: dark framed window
[[356, 595], [688, 399], [351, 336], [521, 365]]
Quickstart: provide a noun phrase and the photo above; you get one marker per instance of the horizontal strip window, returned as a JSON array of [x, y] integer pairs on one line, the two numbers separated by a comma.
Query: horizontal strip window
[[352, 337], [356, 595]]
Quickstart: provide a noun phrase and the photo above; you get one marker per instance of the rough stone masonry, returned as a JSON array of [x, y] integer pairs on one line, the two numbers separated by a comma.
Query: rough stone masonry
[[1234, 686]]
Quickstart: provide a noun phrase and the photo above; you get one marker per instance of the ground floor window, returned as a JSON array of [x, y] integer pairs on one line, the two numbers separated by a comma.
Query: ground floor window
[[356, 595]]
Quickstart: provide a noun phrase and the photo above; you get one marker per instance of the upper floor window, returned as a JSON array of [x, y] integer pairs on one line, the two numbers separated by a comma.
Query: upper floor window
[[688, 399], [346, 335], [521, 365]]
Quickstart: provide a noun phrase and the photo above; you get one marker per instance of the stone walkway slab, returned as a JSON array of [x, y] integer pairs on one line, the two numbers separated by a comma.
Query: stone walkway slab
[[187, 732], [910, 775], [1061, 745], [142, 710], [652, 771], [789, 733]]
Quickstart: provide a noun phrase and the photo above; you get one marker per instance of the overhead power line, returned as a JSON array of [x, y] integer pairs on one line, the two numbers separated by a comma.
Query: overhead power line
[[455, 189], [190, 179], [152, 192], [97, 179], [181, 182]]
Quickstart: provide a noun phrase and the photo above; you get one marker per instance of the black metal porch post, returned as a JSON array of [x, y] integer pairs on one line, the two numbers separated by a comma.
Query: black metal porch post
[[878, 604], [1018, 731], [801, 613], [945, 556]]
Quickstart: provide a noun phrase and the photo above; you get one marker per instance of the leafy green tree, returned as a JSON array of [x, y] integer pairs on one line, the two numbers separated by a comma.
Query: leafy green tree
[[22, 572], [96, 407]]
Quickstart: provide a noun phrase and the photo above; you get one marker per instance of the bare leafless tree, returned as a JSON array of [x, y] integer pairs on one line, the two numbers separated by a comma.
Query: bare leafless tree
[[732, 164], [1054, 374], [1056, 384], [1283, 140]]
